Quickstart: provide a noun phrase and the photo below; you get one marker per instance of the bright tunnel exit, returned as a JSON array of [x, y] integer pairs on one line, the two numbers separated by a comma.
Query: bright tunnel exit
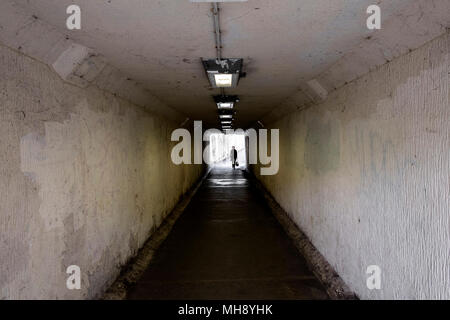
[[221, 145]]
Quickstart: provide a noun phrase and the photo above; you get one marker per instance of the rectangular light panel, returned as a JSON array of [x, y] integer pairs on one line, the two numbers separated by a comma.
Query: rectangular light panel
[[223, 73], [225, 105], [223, 80]]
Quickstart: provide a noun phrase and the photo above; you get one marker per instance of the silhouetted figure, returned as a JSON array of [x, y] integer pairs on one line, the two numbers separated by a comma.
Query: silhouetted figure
[[233, 156]]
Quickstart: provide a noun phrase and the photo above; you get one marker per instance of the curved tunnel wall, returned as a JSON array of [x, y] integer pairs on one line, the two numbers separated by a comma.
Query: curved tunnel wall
[[365, 175], [85, 177]]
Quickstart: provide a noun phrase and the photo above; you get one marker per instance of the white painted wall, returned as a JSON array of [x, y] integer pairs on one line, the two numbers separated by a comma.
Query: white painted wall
[[366, 176], [85, 178]]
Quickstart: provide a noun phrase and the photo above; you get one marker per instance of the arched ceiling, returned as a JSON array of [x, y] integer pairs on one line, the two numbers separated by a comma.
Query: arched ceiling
[[283, 43]]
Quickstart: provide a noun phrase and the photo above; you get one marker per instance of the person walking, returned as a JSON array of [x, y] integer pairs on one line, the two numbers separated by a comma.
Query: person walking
[[233, 156]]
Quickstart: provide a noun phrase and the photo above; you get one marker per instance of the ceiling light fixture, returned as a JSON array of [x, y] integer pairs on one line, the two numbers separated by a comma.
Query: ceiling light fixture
[[223, 80], [225, 102], [225, 105], [223, 73], [226, 112]]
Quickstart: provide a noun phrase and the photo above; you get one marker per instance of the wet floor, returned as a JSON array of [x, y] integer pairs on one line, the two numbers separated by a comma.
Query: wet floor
[[227, 245]]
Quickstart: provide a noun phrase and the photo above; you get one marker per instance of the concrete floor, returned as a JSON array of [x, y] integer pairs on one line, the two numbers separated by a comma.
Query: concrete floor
[[227, 245]]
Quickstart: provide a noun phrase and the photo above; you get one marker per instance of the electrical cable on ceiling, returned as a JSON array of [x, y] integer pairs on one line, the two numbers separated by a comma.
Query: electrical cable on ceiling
[[218, 38], [215, 9]]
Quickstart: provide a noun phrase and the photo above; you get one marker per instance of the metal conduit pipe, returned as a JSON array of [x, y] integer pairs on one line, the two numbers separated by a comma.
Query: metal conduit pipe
[[215, 9], [218, 38]]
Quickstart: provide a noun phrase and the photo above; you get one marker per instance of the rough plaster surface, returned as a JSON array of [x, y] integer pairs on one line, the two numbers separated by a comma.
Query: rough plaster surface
[[336, 288], [75, 63], [366, 176], [85, 178]]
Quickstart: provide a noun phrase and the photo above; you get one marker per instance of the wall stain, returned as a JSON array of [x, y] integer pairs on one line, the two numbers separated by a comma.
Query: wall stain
[[322, 146]]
